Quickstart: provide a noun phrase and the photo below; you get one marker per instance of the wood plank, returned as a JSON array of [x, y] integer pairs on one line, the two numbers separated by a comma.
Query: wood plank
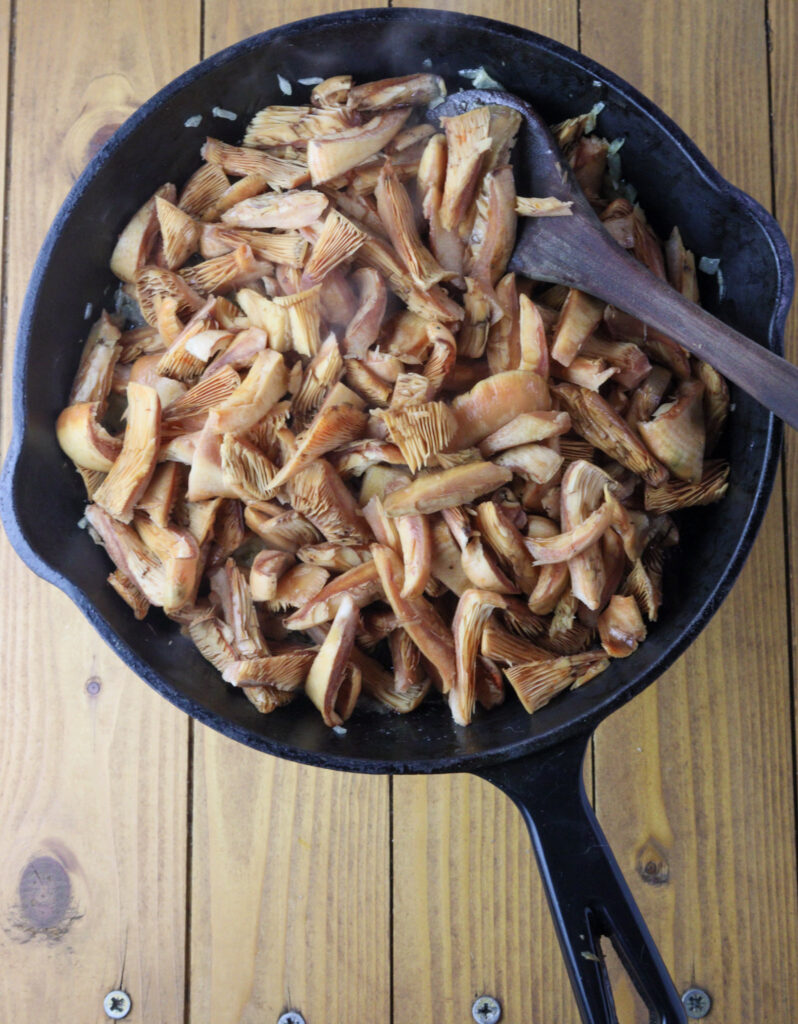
[[467, 895], [5, 61], [783, 36], [470, 916], [93, 764], [227, 23], [290, 902], [694, 778], [291, 865]]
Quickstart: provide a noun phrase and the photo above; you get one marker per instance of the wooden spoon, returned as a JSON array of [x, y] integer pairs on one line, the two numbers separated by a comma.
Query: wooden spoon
[[578, 252]]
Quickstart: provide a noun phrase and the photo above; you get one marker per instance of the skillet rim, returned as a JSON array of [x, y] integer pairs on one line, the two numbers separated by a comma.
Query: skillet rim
[[576, 724]]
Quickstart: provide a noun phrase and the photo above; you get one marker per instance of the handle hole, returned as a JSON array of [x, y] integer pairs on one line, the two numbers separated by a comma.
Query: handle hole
[[629, 1007]]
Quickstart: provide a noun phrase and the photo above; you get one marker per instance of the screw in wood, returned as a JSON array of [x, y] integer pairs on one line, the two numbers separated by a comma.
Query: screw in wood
[[117, 1004], [486, 1010], [291, 1017], [696, 1002]]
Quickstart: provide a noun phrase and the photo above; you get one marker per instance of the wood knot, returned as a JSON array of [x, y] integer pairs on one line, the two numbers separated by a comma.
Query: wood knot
[[44, 893], [652, 863], [107, 103]]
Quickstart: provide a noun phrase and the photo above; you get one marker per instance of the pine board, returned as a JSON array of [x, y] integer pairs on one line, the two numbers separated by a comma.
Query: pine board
[[92, 784]]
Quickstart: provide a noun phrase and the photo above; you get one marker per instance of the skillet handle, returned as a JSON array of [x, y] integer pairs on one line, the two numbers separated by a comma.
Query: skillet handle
[[587, 894]]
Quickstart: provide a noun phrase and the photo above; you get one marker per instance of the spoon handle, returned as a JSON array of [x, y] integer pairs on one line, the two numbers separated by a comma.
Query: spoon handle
[[611, 274]]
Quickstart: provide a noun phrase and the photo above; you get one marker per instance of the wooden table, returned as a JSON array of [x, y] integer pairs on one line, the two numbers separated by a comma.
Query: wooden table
[[214, 884]]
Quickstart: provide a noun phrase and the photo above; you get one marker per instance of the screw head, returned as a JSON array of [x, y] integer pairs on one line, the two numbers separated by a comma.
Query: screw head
[[117, 1004], [696, 1002], [291, 1017], [486, 1010]]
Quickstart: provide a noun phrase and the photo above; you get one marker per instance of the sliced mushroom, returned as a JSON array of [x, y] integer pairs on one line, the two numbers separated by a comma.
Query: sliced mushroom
[[505, 647], [159, 499], [595, 420], [98, 360], [304, 319], [419, 431], [677, 435], [409, 90], [509, 544], [189, 411], [288, 531], [492, 237], [280, 174], [202, 189], [178, 553], [446, 488], [130, 474], [332, 426], [467, 139], [263, 386], [495, 401], [335, 556], [535, 462], [416, 546], [396, 213], [408, 670], [337, 243], [84, 439], [580, 316], [417, 616], [214, 640], [230, 584], [245, 469], [538, 682], [130, 593], [285, 672], [286, 248], [335, 154], [284, 210], [322, 372], [473, 610], [300, 584], [360, 584], [675, 494], [621, 627], [265, 573], [362, 330], [134, 246], [546, 206], [327, 673], [565, 546], [321, 496], [179, 231], [525, 429], [129, 553]]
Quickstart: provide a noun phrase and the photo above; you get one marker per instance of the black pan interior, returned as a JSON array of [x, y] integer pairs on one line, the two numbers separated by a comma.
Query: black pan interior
[[43, 497]]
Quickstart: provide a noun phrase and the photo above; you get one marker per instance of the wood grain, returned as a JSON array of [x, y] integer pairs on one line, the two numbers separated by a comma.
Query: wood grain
[[290, 892], [467, 895], [92, 763], [290, 881], [6, 31], [226, 23], [693, 779], [783, 38]]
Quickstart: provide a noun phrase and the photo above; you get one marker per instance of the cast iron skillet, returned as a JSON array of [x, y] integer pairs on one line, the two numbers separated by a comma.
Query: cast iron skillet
[[536, 760]]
